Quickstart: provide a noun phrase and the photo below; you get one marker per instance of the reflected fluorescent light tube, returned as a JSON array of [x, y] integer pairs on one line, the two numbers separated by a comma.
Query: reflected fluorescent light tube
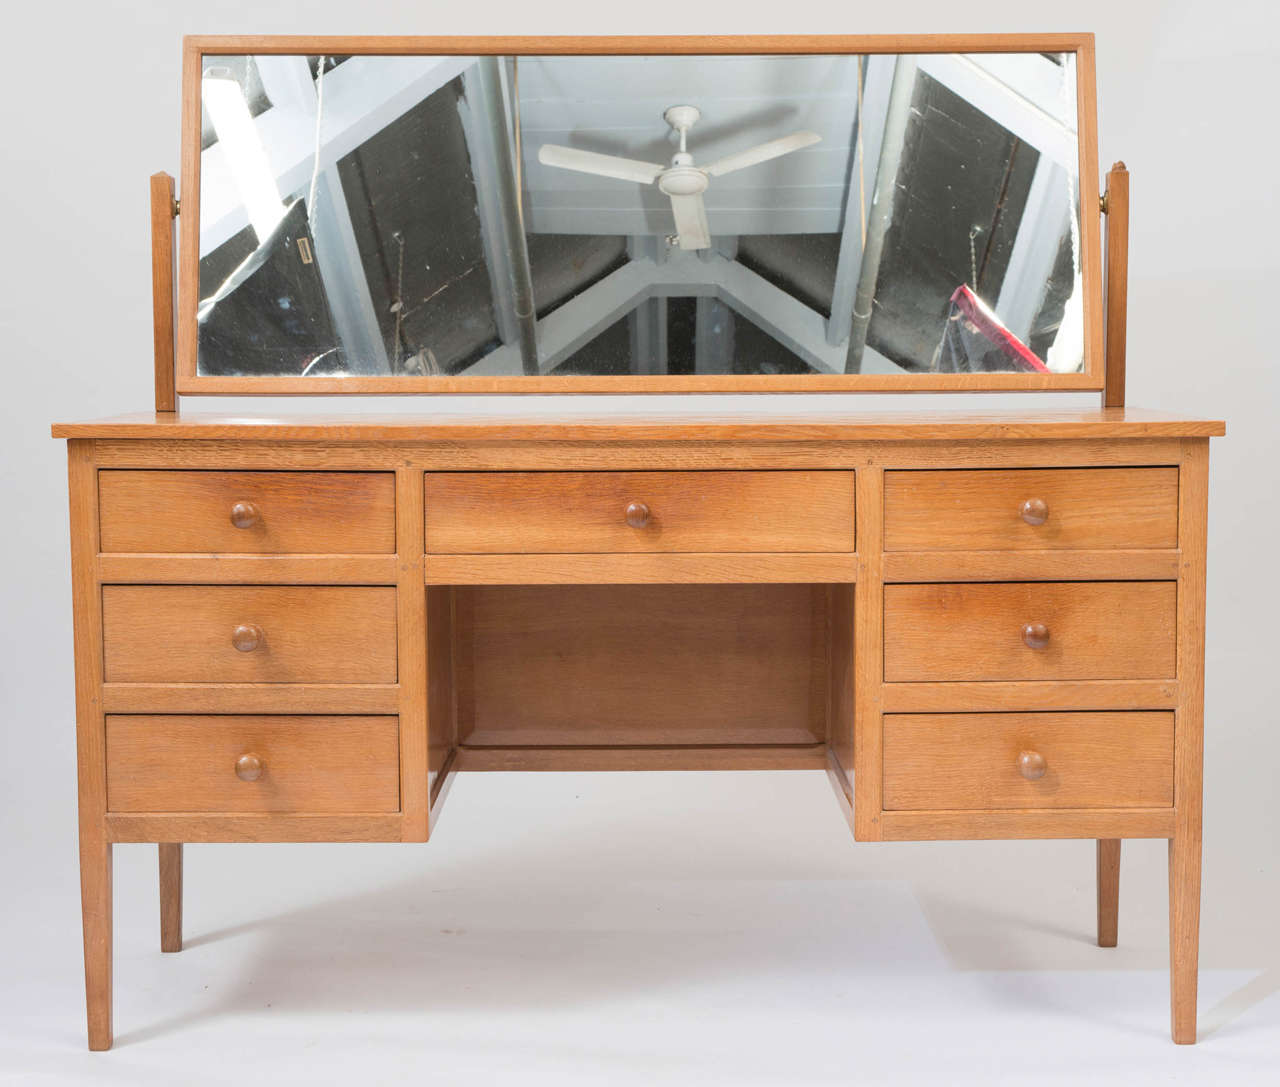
[[245, 155]]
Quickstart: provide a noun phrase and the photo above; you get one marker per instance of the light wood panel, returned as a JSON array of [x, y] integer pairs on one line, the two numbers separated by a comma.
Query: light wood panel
[[564, 759], [1083, 694], [308, 634], [1188, 791], [868, 663], [581, 512], [601, 45], [619, 455], [841, 691], [343, 698], [309, 764], [930, 826], [773, 427], [252, 827], [162, 275], [1109, 565], [282, 512], [411, 646], [442, 687], [657, 568], [223, 569], [1116, 284], [640, 665], [960, 761], [95, 845], [1096, 630], [1085, 508]]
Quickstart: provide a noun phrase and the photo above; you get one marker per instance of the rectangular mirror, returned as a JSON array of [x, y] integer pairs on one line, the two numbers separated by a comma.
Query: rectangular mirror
[[468, 216]]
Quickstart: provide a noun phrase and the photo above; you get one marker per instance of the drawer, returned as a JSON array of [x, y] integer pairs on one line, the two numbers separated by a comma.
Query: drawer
[[253, 764], [579, 512], [1030, 630], [1031, 508], [248, 634], [987, 761], [313, 513]]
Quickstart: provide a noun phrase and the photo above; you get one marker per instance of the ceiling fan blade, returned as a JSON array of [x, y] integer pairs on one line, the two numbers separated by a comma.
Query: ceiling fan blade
[[588, 162], [761, 153], [692, 231]]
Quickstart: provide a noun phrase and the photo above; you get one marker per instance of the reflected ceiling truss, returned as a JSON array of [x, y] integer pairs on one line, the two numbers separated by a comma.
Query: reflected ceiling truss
[[362, 97]]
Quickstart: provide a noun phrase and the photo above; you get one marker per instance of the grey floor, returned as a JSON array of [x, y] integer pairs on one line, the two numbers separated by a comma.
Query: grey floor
[[632, 929]]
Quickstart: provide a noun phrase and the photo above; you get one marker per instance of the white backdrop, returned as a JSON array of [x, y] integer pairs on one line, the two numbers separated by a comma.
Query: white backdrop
[[90, 107]]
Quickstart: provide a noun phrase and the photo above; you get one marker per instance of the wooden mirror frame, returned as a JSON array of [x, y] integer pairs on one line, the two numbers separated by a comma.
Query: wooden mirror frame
[[189, 383]]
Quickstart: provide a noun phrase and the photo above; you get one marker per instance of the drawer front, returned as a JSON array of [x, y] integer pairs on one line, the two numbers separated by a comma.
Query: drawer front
[[581, 512], [1031, 508], [249, 634], [253, 764], [988, 761], [1037, 630], [315, 513]]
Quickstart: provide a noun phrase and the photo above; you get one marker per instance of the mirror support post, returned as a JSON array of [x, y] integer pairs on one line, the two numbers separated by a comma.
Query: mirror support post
[[164, 209], [1115, 203]]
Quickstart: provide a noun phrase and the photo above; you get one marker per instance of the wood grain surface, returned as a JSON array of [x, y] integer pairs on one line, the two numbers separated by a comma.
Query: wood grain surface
[[597, 665], [957, 761], [311, 633], [1087, 508], [309, 764], [1097, 630], [684, 426], [320, 513], [581, 512]]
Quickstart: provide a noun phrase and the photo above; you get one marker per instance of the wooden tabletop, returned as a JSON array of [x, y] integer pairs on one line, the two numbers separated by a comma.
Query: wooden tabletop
[[648, 426]]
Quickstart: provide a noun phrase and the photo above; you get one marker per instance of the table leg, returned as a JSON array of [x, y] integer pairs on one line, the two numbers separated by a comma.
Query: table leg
[[170, 896], [95, 904], [1108, 890]]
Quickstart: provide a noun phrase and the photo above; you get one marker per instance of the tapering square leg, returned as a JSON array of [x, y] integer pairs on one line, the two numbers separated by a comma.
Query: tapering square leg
[[170, 896], [1184, 934], [95, 905], [1108, 890]]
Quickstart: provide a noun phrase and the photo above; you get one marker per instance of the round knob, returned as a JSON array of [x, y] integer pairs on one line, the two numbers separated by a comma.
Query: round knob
[[1035, 635], [245, 515], [249, 767], [1031, 765], [1035, 511], [247, 637], [637, 514]]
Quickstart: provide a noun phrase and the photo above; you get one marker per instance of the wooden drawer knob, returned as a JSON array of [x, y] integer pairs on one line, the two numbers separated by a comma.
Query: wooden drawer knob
[[249, 767], [1031, 765], [245, 515], [1035, 635], [1035, 511], [247, 637], [637, 514]]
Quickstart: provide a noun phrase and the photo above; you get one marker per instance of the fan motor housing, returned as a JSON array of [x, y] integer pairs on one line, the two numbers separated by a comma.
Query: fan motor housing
[[683, 181]]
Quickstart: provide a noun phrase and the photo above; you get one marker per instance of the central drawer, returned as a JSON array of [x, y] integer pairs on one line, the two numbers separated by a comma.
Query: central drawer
[[1030, 631], [249, 634], [582, 512], [253, 764]]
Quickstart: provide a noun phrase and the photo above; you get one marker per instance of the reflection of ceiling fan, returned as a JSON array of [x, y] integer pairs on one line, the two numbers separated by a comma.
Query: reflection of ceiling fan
[[682, 180]]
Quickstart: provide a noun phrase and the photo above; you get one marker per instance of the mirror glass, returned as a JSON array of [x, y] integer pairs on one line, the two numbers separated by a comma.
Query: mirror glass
[[620, 215]]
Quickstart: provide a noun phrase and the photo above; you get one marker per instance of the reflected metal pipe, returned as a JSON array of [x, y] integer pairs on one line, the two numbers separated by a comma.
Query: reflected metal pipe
[[489, 76], [895, 134]]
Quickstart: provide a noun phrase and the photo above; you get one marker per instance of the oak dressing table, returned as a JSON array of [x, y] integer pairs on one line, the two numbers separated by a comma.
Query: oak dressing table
[[299, 629]]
